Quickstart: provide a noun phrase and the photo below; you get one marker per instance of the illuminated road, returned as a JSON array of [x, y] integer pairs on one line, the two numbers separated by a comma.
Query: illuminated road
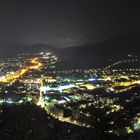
[[35, 64], [126, 84], [41, 98]]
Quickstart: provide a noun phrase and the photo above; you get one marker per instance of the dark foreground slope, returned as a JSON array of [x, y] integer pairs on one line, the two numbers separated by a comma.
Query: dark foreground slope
[[28, 122]]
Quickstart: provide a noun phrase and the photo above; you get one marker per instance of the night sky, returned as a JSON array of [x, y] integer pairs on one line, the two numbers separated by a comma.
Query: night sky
[[64, 23]]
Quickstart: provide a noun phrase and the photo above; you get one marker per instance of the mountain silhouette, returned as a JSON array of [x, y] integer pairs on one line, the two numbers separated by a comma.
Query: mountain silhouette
[[101, 54], [85, 56]]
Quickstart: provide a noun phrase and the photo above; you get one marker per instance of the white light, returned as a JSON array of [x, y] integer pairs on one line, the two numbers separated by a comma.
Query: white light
[[44, 89], [41, 53], [60, 88], [92, 79], [62, 102], [9, 101]]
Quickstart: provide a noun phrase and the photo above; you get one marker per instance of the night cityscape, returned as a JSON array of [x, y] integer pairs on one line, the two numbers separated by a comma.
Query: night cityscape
[[69, 70]]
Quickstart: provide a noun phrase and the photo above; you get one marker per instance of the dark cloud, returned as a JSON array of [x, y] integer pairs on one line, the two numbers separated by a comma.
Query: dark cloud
[[60, 22]]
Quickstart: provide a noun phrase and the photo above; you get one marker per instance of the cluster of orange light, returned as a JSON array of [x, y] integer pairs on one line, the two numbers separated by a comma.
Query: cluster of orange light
[[12, 77], [125, 84]]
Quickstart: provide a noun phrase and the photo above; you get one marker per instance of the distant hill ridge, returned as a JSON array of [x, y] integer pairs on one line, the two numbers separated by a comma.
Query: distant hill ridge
[[90, 55], [99, 54], [8, 50]]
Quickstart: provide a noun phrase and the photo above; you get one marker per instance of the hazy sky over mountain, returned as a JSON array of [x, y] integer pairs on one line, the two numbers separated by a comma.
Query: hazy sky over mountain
[[63, 23]]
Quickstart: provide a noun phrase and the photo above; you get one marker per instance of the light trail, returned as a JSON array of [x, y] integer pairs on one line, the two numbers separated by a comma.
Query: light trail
[[126, 84], [41, 98], [14, 76]]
